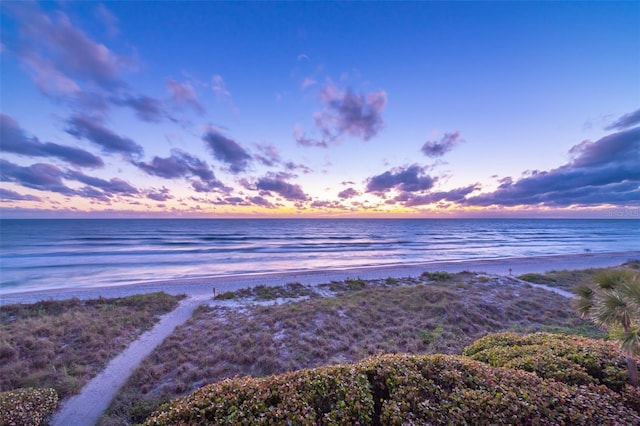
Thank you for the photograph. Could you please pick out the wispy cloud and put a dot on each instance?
(56, 52)
(9, 195)
(219, 86)
(626, 121)
(183, 94)
(346, 114)
(108, 19)
(83, 127)
(437, 148)
(146, 108)
(112, 186)
(227, 150)
(13, 139)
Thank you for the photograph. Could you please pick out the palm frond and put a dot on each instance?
(612, 308)
(630, 342)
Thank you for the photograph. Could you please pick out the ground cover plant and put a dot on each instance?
(395, 390)
(62, 344)
(27, 406)
(428, 314)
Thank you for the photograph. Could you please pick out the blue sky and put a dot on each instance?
(399, 109)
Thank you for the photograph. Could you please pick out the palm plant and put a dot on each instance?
(614, 303)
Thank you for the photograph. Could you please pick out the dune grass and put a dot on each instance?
(429, 314)
(62, 344)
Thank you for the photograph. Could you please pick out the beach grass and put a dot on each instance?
(62, 344)
(433, 313)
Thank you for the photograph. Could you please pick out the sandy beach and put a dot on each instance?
(202, 287)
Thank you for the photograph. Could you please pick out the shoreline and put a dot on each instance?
(203, 287)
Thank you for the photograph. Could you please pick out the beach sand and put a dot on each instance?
(202, 287)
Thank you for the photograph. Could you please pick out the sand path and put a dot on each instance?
(86, 408)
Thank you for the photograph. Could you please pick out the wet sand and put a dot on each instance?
(204, 286)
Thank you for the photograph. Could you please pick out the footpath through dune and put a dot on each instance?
(86, 408)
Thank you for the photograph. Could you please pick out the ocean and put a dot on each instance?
(55, 254)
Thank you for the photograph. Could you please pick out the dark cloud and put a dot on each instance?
(8, 195)
(601, 172)
(83, 127)
(261, 201)
(609, 149)
(346, 113)
(13, 139)
(227, 150)
(440, 147)
(180, 164)
(40, 176)
(183, 94)
(159, 195)
(281, 187)
(113, 186)
(348, 193)
(409, 179)
(626, 121)
(183, 165)
(455, 195)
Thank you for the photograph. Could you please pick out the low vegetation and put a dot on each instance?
(62, 344)
(570, 280)
(363, 318)
(27, 407)
(401, 389)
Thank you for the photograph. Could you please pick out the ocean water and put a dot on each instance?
(50, 254)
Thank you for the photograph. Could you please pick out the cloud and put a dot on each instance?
(408, 179)
(159, 195)
(600, 172)
(227, 150)
(109, 20)
(440, 147)
(183, 94)
(40, 176)
(113, 186)
(218, 86)
(55, 51)
(308, 81)
(9, 195)
(146, 108)
(346, 113)
(13, 139)
(183, 165)
(268, 156)
(281, 187)
(348, 193)
(626, 121)
(455, 195)
(83, 127)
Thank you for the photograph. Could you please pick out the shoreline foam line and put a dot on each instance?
(200, 287)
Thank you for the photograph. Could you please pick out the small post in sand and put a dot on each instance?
(509, 275)
(214, 292)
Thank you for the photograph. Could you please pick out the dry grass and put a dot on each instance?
(62, 344)
(430, 314)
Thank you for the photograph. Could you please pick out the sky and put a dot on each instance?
(323, 109)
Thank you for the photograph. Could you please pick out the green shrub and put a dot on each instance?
(27, 406)
(437, 276)
(227, 295)
(570, 359)
(395, 390)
